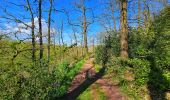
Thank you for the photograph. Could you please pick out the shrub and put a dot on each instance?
(141, 70)
(36, 82)
(99, 54)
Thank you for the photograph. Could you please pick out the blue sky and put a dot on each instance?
(97, 6)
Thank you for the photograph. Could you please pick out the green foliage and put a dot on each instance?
(139, 41)
(99, 54)
(97, 67)
(141, 70)
(149, 56)
(88, 94)
(160, 46)
(109, 47)
(35, 82)
(123, 68)
(131, 75)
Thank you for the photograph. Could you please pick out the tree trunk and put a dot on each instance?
(113, 12)
(139, 16)
(62, 40)
(75, 37)
(165, 2)
(147, 14)
(49, 31)
(85, 29)
(40, 28)
(82, 48)
(123, 30)
(33, 40)
(32, 31)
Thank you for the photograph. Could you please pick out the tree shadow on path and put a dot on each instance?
(82, 87)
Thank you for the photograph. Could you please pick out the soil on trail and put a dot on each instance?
(88, 77)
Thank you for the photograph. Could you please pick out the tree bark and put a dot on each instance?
(85, 29)
(32, 31)
(75, 37)
(111, 3)
(123, 30)
(49, 31)
(40, 28)
(62, 26)
(139, 14)
(147, 14)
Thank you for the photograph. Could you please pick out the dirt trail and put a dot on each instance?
(88, 73)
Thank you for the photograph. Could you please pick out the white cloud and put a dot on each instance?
(23, 32)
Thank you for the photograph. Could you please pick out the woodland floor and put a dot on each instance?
(86, 78)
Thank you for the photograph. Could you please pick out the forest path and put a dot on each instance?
(86, 78)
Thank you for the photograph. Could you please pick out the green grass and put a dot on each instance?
(86, 95)
(76, 68)
(89, 95)
(131, 92)
(97, 67)
(100, 93)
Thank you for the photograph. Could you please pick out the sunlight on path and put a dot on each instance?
(101, 89)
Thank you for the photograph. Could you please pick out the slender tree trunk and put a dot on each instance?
(114, 21)
(75, 37)
(40, 28)
(139, 14)
(113, 16)
(147, 14)
(85, 29)
(49, 31)
(55, 55)
(32, 31)
(165, 2)
(62, 26)
(33, 40)
(82, 48)
(123, 30)
(93, 42)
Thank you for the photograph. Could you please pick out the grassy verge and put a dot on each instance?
(65, 74)
(76, 68)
